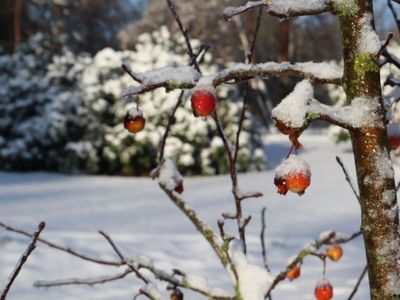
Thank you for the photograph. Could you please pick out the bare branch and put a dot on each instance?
(348, 178)
(262, 238)
(385, 44)
(122, 257)
(189, 47)
(22, 261)
(77, 281)
(64, 249)
(355, 289)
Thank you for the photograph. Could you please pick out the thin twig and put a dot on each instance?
(262, 238)
(355, 289)
(61, 248)
(86, 281)
(385, 44)
(129, 71)
(122, 257)
(22, 260)
(189, 47)
(348, 178)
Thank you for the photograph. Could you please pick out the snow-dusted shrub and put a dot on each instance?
(65, 113)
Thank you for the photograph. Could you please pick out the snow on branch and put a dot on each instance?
(283, 8)
(299, 108)
(186, 77)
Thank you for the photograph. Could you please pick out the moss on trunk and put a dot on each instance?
(380, 223)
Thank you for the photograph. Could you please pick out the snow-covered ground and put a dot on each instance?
(142, 220)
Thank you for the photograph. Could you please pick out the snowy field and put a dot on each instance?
(142, 220)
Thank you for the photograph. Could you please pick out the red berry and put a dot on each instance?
(293, 273)
(134, 120)
(293, 174)
(298, 182)
(203, 103)
(335, 253)
(323, 290)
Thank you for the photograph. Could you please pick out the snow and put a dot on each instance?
(286, 7)
(293, 108)
(369, 41)
(141, 220)
(254, 281)
(205, 83)
(197, 282)
(135, 112)
(292, 165)
(180, 74)
(169, 175)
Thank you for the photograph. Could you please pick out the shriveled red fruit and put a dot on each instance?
(293, 273)
(134, 121)
(203, 103)
(293, 174)
(323, 290)
(176, 295)
(179, 187)
(335, 253)
(297, 182)
(281, 185)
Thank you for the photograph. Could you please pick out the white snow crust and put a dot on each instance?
(369, 41)
(169, 175)
(254, 281)
(292, 165)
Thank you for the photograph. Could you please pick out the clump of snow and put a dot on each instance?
(291, 260)
(388, 196)
(323, 70)
(197, 282)
(292, 109)
(292, 165)
(254, 281)
(286, 7)
(384, 165)
(153, 291)
(369, 41)
(135, 112)
(218, 292)
(180, 74)
(144, 261)
(205, 83)
(169, 175)
(324, 235)
(362, 112)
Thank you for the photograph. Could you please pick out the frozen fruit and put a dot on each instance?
(203, 103)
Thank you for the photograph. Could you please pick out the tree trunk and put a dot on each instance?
(380, 221)
(17, 23)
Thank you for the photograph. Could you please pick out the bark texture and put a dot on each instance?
(380, 222)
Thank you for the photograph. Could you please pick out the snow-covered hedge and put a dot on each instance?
(65, 113)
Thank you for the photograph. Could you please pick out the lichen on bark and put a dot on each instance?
(380, 222)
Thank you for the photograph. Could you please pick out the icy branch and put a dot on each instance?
(283, 8)
(85, 281)
(186, 77)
